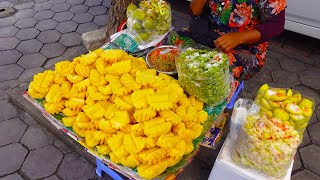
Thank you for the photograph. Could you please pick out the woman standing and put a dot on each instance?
(240, 28)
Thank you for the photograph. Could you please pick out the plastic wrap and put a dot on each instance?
(153, 17)
(291, 107)
(205, 74)
(266, 145)
(242, 109)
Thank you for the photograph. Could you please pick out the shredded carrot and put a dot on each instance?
(164, 62)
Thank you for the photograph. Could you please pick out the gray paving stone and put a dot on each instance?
(297, 162)
(75, 51)
(8, 31)
(27, 75)
(306, 91)
(77, 9)
(42, 162)
(29, 46)
(45, 14)
(306, 139)
(54, 177)
(310, 78)
(5, 86)
(197, 170)
(75, 2)
(310, 157)
(50, 62)
(40, 1)
(53, 50)
(42, 6)
(63, 16)
(70, 39)
(12, 157)
(9, 72)
(47, 24)
(86, 27)
(292, 65)
(11, 131)
(8, 110)
(317, 112)
(252, 87)
(82, 18)
(67, 26)
(305, 175)
(29, 61)
(29, 33)
(74, 166)
(314, 131)
(93, 2)
(14, 176)
(62, 146)
(24, 6)
(25, 13)
(208, 155)
(97, 10)
(100, 20)
(9, 56)
(36, 137)
(57, 1)
(49, 36)
(5, 4)
(60, 7)
(313, 119)
(107, 3)
(26, 23)
(26, 118)
(8, 21)
(8, 43)
(286, 78)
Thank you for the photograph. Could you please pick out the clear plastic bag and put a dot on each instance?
(205, 74)
(151, 18)
(291, 107)
(264, 144)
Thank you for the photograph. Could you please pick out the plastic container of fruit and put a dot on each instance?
(163, 59)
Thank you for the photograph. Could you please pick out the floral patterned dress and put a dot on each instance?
(237, 15)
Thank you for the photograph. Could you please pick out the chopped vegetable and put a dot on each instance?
(205, 75)
(267, 145)
(164, 58)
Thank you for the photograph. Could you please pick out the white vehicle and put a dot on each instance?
(303, 17)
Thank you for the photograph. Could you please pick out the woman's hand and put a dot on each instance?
(231, 40)
(228, 41)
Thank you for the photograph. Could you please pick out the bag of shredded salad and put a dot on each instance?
(205, 74)
(267, 145)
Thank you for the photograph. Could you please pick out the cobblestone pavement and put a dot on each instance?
(43, 32)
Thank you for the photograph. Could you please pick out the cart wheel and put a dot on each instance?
(122, 26)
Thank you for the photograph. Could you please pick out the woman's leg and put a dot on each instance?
(244, 64)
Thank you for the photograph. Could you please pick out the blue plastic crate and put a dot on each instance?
(101, 167)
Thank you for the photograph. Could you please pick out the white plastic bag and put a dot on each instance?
(242, 109)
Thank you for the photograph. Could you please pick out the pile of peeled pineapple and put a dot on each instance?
(123, 109)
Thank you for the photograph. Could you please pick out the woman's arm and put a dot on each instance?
(262, 33)
(196, 7)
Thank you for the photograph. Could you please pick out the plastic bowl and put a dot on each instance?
(165, 48)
